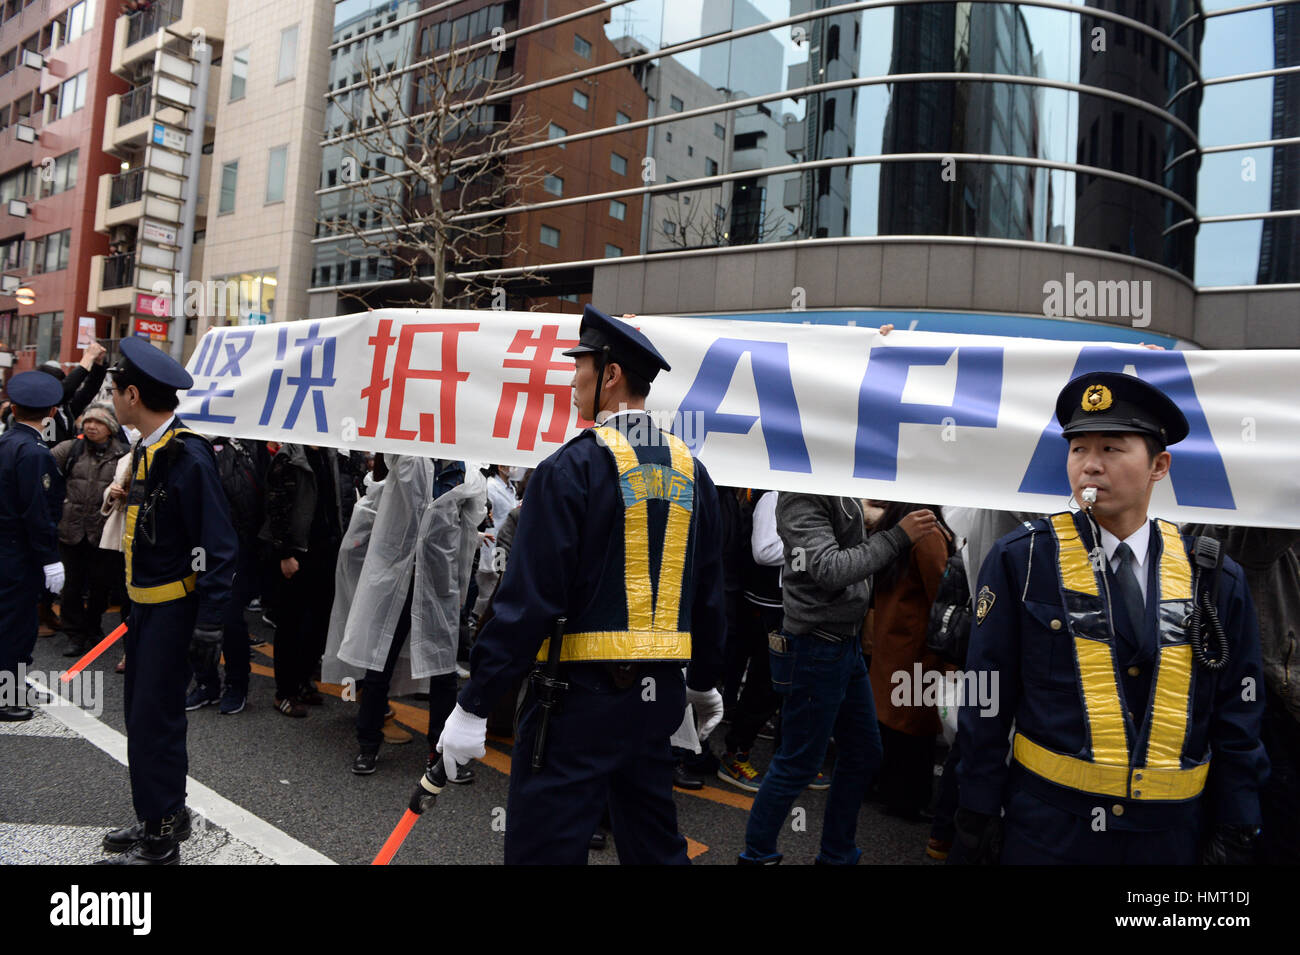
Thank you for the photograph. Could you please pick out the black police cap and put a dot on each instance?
(627, 346)
(154, 364)
(1110, 401)
(35, 389)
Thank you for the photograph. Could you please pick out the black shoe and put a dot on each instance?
(464, 774)
(15, 714)
(364, 764)
(120, 840)
(151, 850)
(598, 840)
(78, 648)
(685, 779)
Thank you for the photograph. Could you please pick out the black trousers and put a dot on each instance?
(1279, 800)
(89, 574)
(157, 674)
(302, 617)
(758, 701)
(374, 691)
(906, 771)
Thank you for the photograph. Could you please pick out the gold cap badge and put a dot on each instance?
(1097, 398)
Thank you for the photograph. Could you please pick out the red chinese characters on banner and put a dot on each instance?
(545, 344)
(448, 375)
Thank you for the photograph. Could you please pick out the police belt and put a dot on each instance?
(1120, 813)
(163, 593)
(623, 675)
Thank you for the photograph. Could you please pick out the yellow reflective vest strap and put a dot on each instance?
(157, 593)
(1112, 770)
(653, 614)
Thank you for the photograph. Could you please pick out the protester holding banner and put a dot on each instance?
(1130, 671)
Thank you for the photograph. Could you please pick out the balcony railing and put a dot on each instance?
(149, 21)
(119, 271)
(127, 187)
(134, 104)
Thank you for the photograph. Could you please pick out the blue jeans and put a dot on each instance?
(826, 691)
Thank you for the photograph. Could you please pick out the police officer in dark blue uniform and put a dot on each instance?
(180, 549)
(31, 502)
(621, 537)
(1130, 666)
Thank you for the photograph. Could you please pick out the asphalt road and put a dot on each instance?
(59, 791)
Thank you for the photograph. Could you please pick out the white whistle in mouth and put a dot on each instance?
(1089, 496)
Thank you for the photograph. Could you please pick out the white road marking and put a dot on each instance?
(239, 822)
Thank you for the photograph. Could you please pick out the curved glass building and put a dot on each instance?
(946, 160)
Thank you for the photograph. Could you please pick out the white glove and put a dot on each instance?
(464, 737)
(708, 709)
(54, 577)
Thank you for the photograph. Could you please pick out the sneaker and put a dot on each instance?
(461, 672)
(201, 696)
(364, 764)
(737, 770)
(464, 774)
(233, 699)
(254, 605)
(268, 621)
(821, 783)
(938, 849)
(769, 730)
(291, 707)
(310, 696)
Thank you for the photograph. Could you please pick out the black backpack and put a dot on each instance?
(238, 475)
(948, 632)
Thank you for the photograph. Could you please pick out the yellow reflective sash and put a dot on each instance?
(652, 613)
(1114, 769)
(158, 593)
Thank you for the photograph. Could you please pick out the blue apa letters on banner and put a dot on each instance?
(881, 409)
(778, 411)
(1198, 475)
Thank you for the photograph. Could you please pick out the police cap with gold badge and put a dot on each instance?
(152, 363)
(626, 345)
(34, 389)
(1110, 401)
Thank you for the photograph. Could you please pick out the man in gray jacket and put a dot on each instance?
(818, 669)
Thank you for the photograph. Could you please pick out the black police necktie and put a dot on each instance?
(1130, 594)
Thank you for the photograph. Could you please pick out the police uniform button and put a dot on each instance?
(1133, 671)
(1137, 777)
(1056, 625)
(1137, 794)
(1117, 810)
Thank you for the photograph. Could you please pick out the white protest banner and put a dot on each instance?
(933, 418)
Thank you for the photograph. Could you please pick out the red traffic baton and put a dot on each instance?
(432, 783)
(95, 651)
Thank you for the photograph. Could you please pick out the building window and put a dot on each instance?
(580, 99)
(618, 164)
(621, 118)
(238, 74)
(550, 236)
(676, 104)
(581, 47)
(276, 162)
(59, 177)
(670, 227)
(79, 19)
(618, 210)
(612, 251)
(247, 298)
(668, 136)
(710, 167)
(288, 54)
(51, 253)
(690, 150)
(72, 95)
(229, 175)
(719, 130)
(16, 184)
(554, 185)
(556, 132)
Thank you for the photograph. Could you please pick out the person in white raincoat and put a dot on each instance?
(413, 580)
